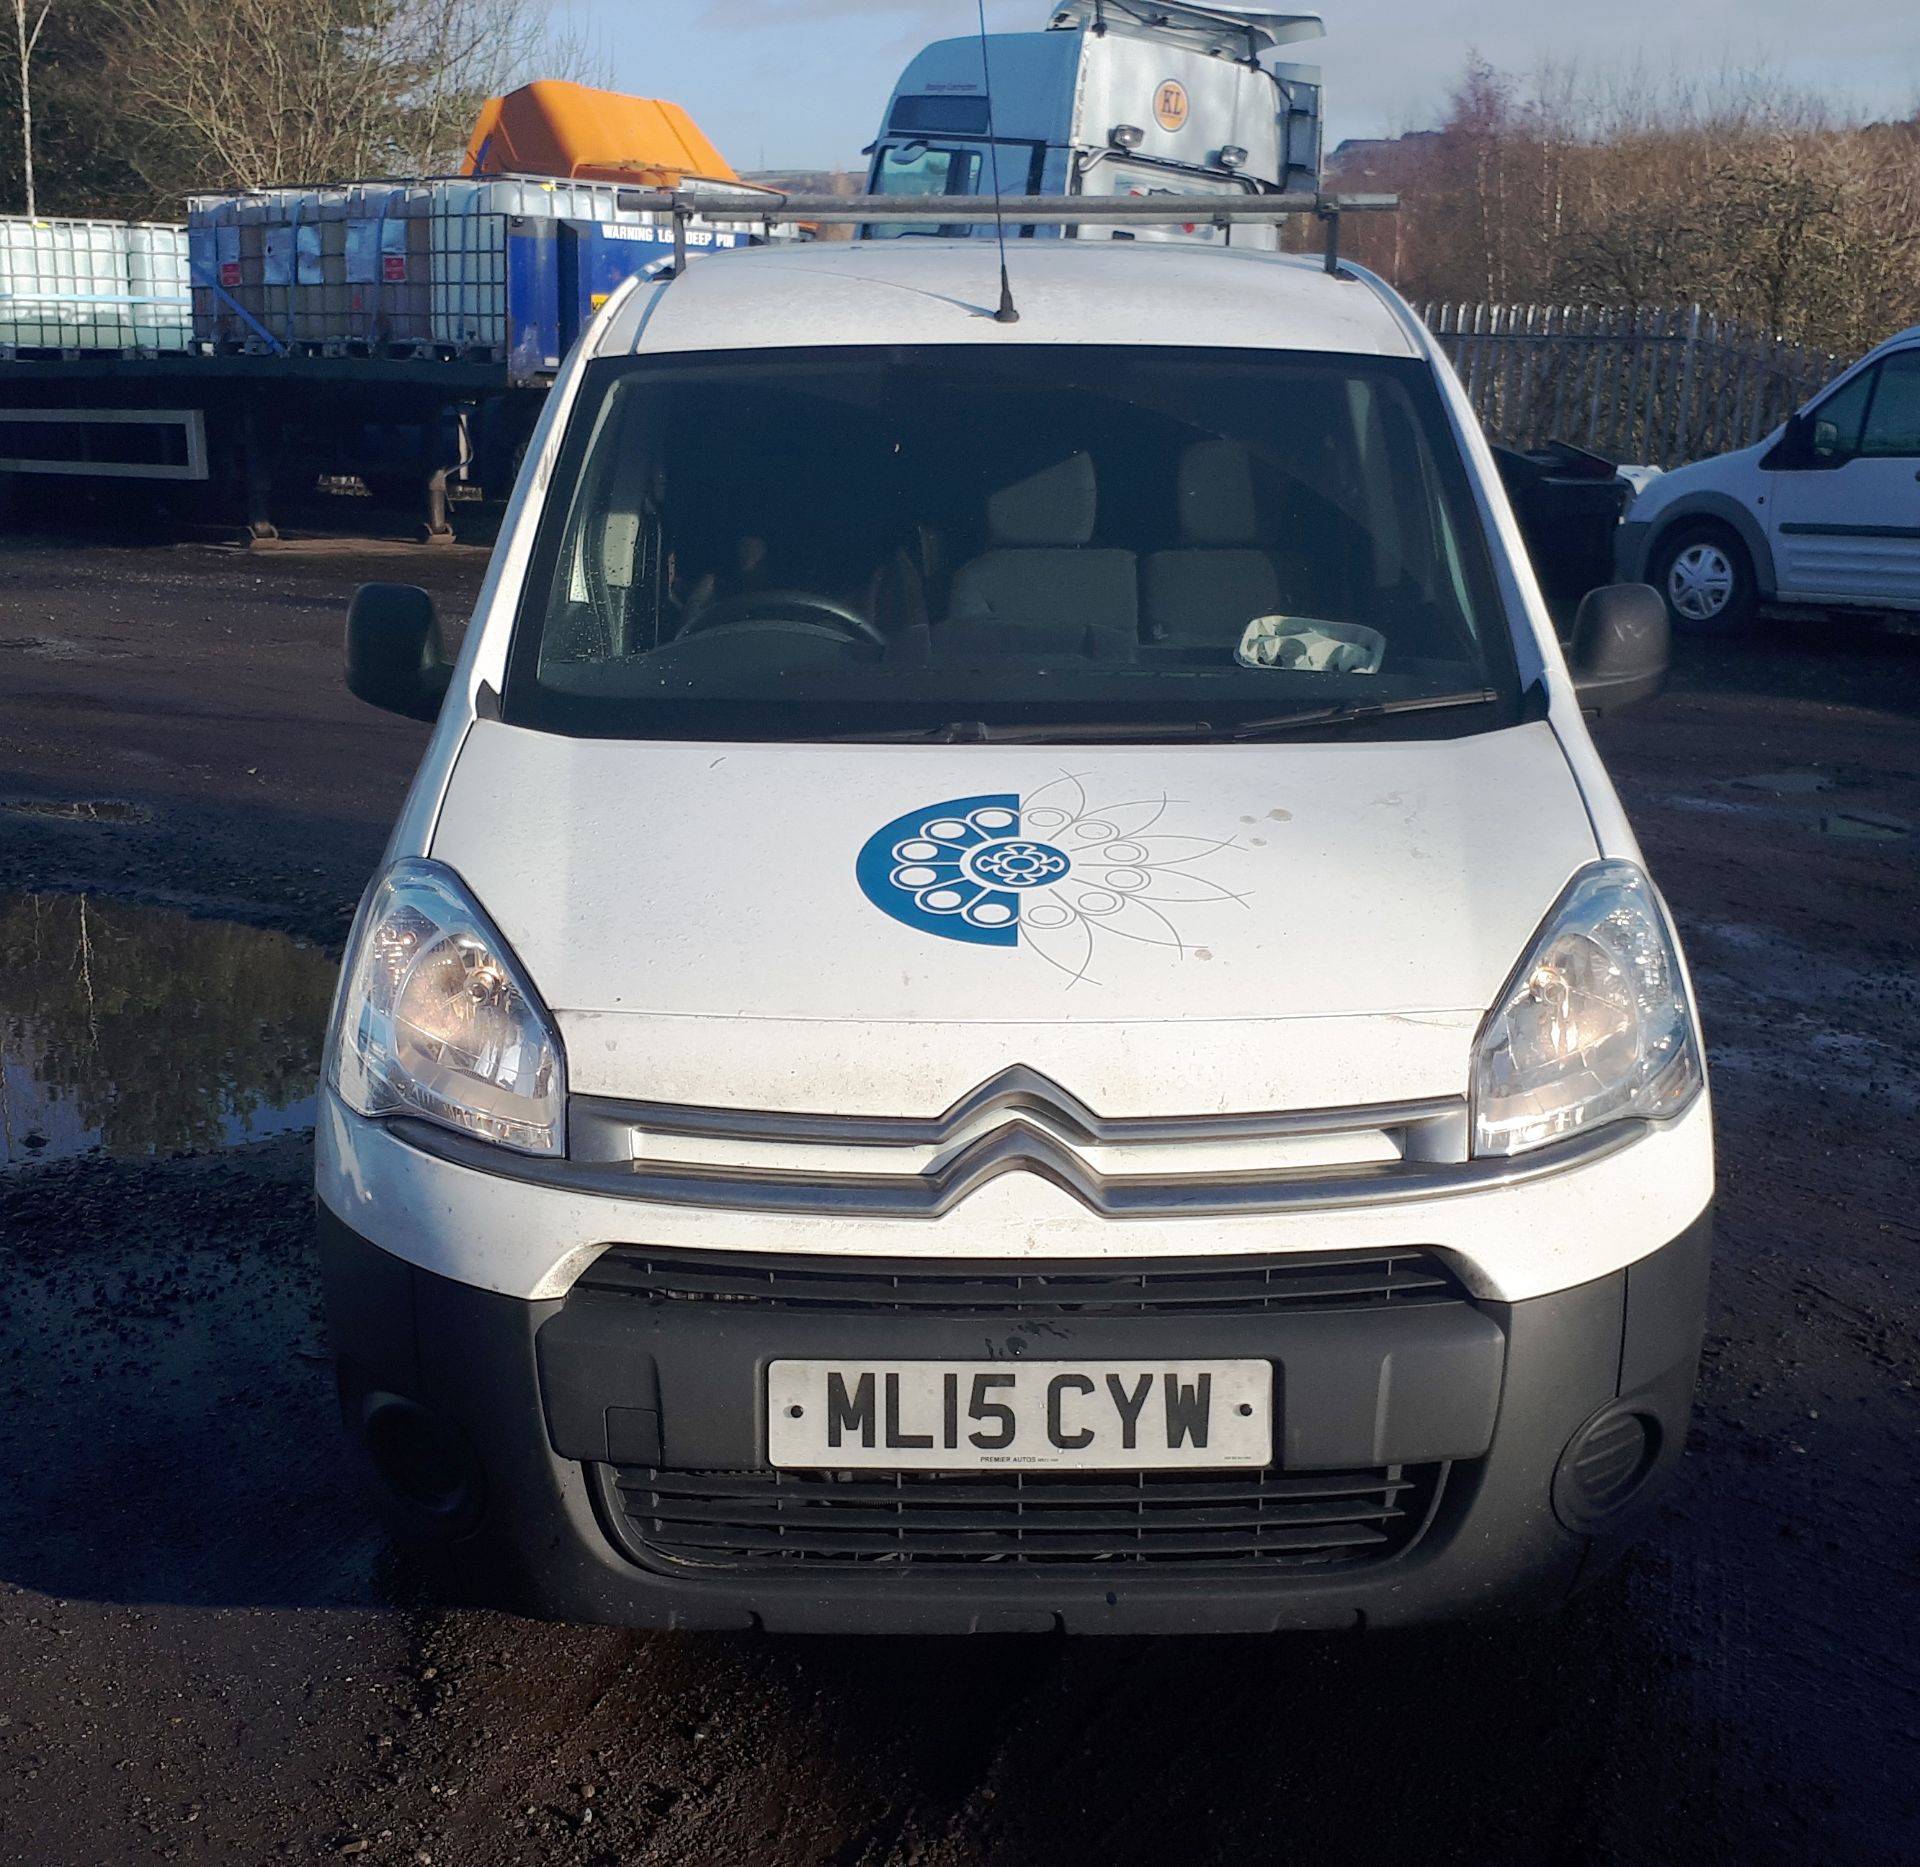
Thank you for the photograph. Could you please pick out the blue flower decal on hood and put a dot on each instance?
(958, 869)
(1049, 872)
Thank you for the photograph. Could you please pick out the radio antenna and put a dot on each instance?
(1006, 314)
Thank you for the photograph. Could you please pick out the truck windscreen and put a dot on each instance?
(815, 542)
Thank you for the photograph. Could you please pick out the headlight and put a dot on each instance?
(1593, 1026)
(437, 1019)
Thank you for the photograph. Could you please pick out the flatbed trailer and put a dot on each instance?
(389, 340)
(239, 441)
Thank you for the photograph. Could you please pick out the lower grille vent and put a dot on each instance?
(1348, 1281)
(1293, 1520)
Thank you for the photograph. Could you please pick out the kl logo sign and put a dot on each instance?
(1170, 105)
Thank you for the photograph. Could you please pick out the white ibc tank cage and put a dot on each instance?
(93, 285)
(383, 265)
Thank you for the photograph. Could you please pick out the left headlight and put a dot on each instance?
(436, 1019)
(1593, 1026)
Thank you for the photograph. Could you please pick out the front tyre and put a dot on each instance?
(1706, 576)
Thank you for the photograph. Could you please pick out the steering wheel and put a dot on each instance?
(771, 608)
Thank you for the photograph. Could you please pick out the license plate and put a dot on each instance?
(944, 1416)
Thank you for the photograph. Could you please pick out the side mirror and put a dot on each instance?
(395, 658)
(1621, 643)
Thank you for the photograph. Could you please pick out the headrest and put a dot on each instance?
(1215, 495)
(1055, 506)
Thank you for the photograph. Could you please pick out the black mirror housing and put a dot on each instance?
(1622, 641)
(395, 657)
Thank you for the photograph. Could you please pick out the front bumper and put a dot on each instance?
(497, 1431)
(1632, 544)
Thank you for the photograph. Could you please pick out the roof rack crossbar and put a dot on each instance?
(1026, 210)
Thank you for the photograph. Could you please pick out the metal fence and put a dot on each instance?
(1650, 387)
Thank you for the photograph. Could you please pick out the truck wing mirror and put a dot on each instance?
(395, 658)
(1621, 643)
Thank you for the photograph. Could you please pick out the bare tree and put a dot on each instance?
(466, 51)
(262, 93)
(26, 39)
(1735, 192)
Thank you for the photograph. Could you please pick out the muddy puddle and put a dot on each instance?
(135, 1032)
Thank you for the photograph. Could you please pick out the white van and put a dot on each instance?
(1825, 511)
(1011, 996)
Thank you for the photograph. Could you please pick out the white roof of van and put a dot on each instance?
(926, 291)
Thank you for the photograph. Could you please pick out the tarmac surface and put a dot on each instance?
(208, 1654)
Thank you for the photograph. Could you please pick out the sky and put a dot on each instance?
(801, 83)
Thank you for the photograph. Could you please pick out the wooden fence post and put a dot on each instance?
(1683, 409)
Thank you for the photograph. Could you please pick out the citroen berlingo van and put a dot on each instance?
(1011, 996)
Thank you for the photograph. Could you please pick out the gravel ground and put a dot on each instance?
(208, 1655)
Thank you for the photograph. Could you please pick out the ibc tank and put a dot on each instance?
(418, 268)
(92, 285)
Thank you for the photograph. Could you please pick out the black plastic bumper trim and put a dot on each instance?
(540, 1547)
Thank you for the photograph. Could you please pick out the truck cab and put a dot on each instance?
(1110, 99)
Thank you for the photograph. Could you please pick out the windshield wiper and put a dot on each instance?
(1355, 713)
(1084, 732)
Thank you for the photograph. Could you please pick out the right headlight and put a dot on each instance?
(436, 1019)
(1594, 1025)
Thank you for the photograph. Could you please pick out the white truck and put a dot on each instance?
(1114, 97)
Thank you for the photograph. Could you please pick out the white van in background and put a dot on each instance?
(1825, 511)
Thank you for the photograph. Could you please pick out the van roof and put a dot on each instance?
(922, 291)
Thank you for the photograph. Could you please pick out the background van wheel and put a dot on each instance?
(1707, 578)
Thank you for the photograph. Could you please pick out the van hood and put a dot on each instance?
(882, 927)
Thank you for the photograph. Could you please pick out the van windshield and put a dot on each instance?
(967, 540)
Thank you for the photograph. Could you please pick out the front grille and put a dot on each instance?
(1275, 1520)
(847, 1285)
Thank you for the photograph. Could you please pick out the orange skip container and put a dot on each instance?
(552, 127)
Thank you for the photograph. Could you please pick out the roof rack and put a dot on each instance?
(1026, 210)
